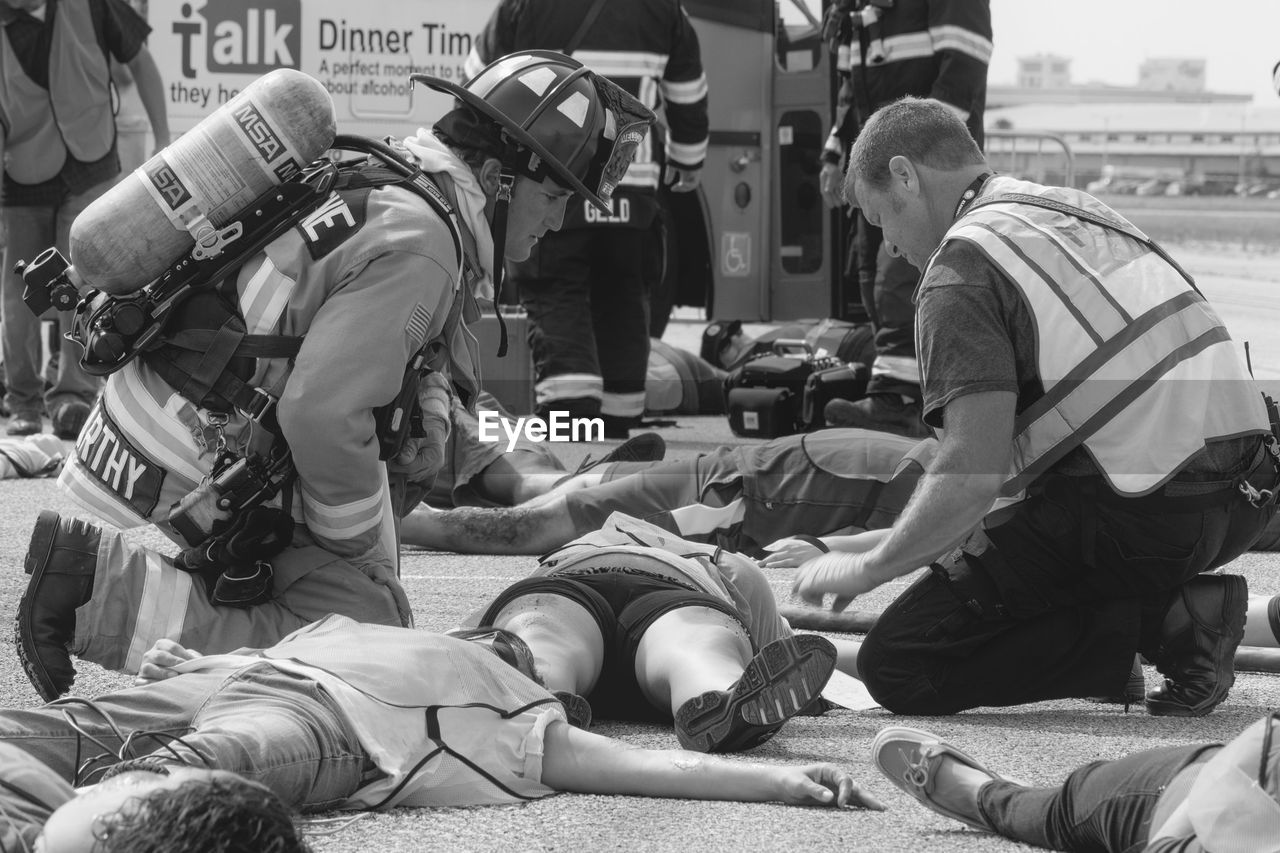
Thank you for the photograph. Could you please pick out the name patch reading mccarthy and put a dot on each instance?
(114, 462)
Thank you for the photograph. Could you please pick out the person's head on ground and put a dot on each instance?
(907, 171)
(538, 127)
(172, 810)
(724, 343)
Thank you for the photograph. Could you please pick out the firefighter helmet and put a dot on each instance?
(561, 118)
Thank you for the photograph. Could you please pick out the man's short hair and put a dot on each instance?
(472, 137)
(219, 815)
(925, 131)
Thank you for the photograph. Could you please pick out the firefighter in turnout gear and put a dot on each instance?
(369, 280)
(587, 287)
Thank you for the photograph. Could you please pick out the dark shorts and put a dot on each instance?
(624, 605)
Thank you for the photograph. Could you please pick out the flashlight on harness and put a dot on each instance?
(47, 282)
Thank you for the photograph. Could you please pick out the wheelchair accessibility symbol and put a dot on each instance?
(735, 254)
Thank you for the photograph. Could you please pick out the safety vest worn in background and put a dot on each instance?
(1135, 365)
(73, 115)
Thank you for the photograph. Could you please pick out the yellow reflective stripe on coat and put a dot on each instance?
(1134, 363)
(137, 455)
(341, 522)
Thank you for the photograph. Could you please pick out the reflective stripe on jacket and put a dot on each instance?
(1135, 364)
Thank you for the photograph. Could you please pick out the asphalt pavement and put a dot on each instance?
(1037, 743)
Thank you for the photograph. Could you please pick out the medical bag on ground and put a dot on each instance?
(845, 381)
(776, 395)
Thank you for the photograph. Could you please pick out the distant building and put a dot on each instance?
(1168, 127)
(1172, 75)
(1046, 79)
(1194, 144)
(1044, 71)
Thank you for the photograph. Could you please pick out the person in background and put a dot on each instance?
(586, 287)
(58, 141)
(886, 49)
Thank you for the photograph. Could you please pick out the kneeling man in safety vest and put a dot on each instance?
(382, 277)
(1065, 358)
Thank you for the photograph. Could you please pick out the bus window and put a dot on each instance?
(798, 34)
(800, 137)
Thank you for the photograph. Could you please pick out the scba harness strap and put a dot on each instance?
(209, 358)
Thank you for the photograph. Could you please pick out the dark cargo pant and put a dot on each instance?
(1051, 599)
(887, 286)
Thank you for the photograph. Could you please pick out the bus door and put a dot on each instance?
(736, 38)
(803, 257)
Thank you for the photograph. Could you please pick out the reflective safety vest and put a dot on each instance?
(74, 114)
(1135, 365)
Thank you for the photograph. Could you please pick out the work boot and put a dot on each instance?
(777, 684)
(617, 426)
(69, 418)
(61, 559)
(1198, 641)
(24, 423)
(880, 412)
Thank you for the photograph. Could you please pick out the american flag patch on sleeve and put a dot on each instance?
(419, 320)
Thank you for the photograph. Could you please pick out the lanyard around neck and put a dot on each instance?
(971, 192)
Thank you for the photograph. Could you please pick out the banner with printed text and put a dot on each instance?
(208, 51)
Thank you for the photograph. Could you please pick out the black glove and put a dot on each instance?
(233, 563)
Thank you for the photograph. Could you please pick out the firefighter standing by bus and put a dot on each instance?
(586, 287)
(886, 49)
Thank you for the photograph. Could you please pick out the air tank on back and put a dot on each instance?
(186, 193)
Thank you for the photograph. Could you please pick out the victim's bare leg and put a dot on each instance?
(847, 655)
(689, 651)
(563, 636)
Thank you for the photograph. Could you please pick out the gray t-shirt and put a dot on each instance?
(977, 334)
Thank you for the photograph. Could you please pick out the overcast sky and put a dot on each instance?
(1107, 39)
